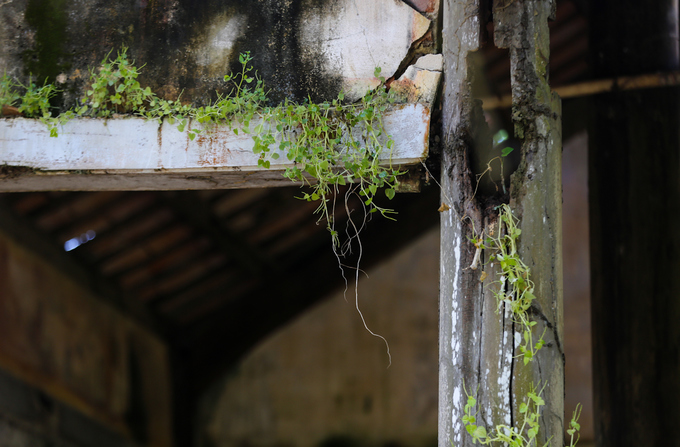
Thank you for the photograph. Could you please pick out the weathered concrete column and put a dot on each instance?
(477, 343)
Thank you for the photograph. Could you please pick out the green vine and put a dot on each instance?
(525, 434)
(335, 144)
(114, 89)
(329, 144)
(9, 97)
(516, 289)
(34, 103)
(515, 292)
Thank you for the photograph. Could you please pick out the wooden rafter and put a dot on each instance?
(23, 232)
(653, 80)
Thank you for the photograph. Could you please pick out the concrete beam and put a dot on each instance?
(139, 154)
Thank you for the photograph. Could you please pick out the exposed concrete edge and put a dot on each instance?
(138, 154)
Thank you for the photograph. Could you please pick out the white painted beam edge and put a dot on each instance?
(138, 146)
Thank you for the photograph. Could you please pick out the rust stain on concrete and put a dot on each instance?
(213, 148)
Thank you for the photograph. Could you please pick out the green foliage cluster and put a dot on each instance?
(114, 88)
(333, 143)
(516, 292)
(34, 102)
(523, 436)
(329, 144)
(8, 92)
(516, 289)
(244, 104)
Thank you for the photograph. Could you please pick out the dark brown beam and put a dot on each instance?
(634, 188)
(23, 232)
(199, 215)
(157, 247)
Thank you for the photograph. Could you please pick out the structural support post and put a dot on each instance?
(634, 171)
(478, 341)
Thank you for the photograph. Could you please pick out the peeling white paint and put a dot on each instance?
(457, 398)
(531, 170)
(505, 363)
(432, 62)
(138, 144)
(357, 36)
(455, 337)
(542, 126)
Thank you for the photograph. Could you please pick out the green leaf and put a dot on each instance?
(500, 137)
(389, 193)
(536, 398)
(506, 151)
(480, 432)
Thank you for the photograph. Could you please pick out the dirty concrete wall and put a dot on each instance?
(301, 48)
(324, 380)
(62, 342)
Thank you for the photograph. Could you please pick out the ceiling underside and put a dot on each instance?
(213, 272)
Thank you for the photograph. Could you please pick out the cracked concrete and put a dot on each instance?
(355, 37)
(420, 81)
(300, 48)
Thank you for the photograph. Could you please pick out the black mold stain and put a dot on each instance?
(47, 57)
(272, 36)
(162, 36)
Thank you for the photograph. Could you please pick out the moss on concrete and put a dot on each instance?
(47, 58)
